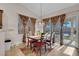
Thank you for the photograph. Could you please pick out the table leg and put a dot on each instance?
(28, 43)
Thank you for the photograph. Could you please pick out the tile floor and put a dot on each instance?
(56, 51)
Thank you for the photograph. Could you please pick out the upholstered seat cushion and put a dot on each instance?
(32, 41)
(48, 40)
(39, 43)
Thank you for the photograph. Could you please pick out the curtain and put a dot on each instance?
(33, 20)
(45, 21)
(24, 20)
(58, 25)
(54, 21)
(48, 26)
(62, 17)
(22, 23)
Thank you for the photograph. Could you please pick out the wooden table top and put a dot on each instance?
(34, 37)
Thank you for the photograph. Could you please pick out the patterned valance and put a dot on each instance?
(24, 18)
(46, 20)
(54, 19)
(33, 20)
(1, 11)
(62, 18)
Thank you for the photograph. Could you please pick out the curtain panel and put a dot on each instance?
(33, 20)
(54, 19)
(46, 20)
(24, 20)
(62, 19)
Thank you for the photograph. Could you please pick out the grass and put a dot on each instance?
(67, 37)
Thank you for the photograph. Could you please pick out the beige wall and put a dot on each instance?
(10, 21)
(2, 46)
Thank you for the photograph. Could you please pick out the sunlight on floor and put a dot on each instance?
(69, 51)
(60, 48)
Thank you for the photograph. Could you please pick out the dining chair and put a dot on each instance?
(41, 43)
(31, 43)
(53, 37)
(39, 46)
(50, 38)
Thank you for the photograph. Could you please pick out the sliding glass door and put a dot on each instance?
(70, 31)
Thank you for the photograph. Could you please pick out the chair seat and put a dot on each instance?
(48, 40)
(39, 43)
(32, 41)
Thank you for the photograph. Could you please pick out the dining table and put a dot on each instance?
(33, 38)
(38, 38)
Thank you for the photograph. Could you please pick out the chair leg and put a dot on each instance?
(30, 46)
(40, 50)
(45, 48)
(50, 44)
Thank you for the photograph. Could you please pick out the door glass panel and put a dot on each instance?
(48, 27)
(67, 31)
(70, 31)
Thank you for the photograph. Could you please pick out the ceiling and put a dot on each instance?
(43, 9)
